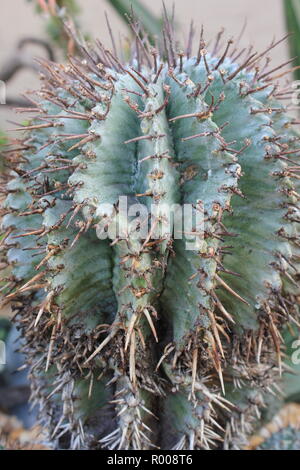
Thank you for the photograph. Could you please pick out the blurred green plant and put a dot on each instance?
(54, 23)
(4, 328)
(125, 8)
(3, 139)
(292, 18)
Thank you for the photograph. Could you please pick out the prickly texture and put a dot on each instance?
(138, 342)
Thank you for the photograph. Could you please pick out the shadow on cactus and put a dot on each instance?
(137, 342)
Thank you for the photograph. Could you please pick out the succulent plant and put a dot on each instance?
(138, 342)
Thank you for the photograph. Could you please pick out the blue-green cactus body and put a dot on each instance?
(178, 327)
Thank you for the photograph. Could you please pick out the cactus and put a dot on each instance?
(138, 342)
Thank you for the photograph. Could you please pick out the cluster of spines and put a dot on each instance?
(84, 95)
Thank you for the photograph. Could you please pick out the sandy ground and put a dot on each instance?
(264, 18)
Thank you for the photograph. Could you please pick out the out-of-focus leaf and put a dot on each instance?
(4, 328)
(2, 138)
(54, 11)
(151, 23)
(49, 6)
(292, 17)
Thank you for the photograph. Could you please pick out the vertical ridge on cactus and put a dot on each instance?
(137, 342)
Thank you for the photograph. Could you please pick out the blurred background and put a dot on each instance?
(29, 29)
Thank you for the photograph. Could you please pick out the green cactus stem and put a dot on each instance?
(139, 342)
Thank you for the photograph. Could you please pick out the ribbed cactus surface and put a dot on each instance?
(138, 342)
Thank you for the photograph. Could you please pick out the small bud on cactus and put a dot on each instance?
(139, 342)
